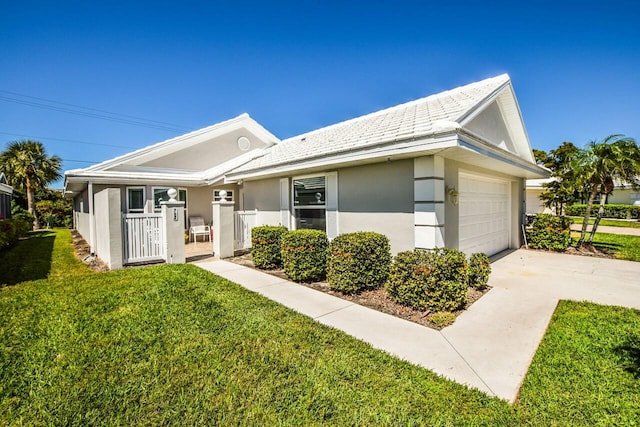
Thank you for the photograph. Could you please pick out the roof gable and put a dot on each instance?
(167, 154)
(3, 179)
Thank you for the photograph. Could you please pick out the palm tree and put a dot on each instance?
(599, 165)
(27, 166)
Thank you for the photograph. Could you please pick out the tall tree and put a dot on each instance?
(27, 166)
(562, 189)
(599, 165)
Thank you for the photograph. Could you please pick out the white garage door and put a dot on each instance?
(484, 207)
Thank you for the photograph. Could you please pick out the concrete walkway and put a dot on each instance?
(491, 345)
(609, 229)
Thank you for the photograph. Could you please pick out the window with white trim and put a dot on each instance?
(216, 195)
(135, 199)
(160, 194)
(309, 202)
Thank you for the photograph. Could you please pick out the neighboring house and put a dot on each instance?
(445, 170)
(6, 192)
(534, 189)
(622, 194)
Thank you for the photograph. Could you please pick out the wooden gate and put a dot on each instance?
(144, 238)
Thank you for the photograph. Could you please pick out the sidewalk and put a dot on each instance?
(491, 345)
(608, 229)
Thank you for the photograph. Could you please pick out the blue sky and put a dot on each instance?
(295, 66)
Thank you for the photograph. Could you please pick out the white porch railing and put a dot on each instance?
(143, 237)
(244, 223)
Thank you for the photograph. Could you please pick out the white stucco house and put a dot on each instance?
(445, 170)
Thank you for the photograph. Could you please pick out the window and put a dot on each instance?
(135, 199)
(216, 195)
(309, 203)
(160, 195)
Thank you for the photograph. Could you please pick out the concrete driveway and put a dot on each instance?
(500, 333)
(491, 345)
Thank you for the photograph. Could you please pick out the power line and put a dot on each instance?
(75, 141)
(33, 101)
(78, 161)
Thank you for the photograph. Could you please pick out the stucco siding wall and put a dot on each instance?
(534, 204)
(263, 195)
(378, 197)
(82, 224)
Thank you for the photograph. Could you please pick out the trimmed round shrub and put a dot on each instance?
(358, 261)
(265, 246)
(304, 255)
(434, 280)
(479, 270)
(549, 232)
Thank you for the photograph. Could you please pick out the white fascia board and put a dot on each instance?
(474, 111)
(392, 149)
(112, 177)
(6, 189)
(189, 139)
(471, 142)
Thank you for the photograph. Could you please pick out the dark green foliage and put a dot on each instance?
(549, 232)
(12, 229)
(265, 246)
(304, 255)
(610, 211)
(358, 261)
(479, 270)
(434, 280)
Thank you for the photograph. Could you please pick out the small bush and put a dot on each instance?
(358, 261)
(265, 246)
(479, 270)
(442, 319)
(304, 255)
(12, 229)
(435, 280)
(549, 232)
(610, 211)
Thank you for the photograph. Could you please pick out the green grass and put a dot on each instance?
(587, 369)
(609, 222)
(176, 345)
(621, 245)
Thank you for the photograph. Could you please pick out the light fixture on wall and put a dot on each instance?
(453, 195)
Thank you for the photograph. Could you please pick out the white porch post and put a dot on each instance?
(223, 227)
(173, 225)
(428, 185)
(92, 219)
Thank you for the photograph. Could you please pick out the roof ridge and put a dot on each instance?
(399, 107)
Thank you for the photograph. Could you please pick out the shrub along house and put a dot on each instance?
(445, 170)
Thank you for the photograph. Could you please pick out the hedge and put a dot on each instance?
(610, 211)
(12, 229)
(435, 280)
(304, 255)
(479, 270)
(265, 246)
(358, 261)
(549, 232)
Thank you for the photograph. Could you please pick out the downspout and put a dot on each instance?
(92, 219)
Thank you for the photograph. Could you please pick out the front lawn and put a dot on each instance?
(174, 344)
(622, 246)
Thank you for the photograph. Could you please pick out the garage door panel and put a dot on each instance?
(484, 214)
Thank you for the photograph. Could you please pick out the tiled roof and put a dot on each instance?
(410, 120)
